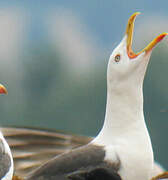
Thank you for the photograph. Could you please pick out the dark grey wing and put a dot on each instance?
(88, 159)
(33, 147)
(5, 161)
(95, 174)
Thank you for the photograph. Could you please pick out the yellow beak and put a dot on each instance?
(129, 33)
(3, 90)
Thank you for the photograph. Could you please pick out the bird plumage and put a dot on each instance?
(117, 150)
(6, 160)
(124, 131)
(29, 155)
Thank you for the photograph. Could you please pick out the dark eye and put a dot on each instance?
(117, 58)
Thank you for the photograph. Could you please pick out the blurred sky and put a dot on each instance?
(105, 21)
(53, 59)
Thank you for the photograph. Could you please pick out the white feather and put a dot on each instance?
(124, 133)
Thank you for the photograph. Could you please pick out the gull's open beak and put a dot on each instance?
(129, 33)
(3, 90)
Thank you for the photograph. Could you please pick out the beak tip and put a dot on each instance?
(3, 90)
(161, 36)
(155, 42)
(135, 14)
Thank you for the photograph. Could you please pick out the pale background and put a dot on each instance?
(53, 59)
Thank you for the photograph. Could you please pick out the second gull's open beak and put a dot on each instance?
(129, 33)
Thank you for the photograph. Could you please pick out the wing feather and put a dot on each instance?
(33, 147)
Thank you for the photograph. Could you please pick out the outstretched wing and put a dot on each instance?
(33, 147)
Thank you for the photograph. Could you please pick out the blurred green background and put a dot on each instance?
(53, 60)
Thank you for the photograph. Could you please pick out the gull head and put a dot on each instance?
(127, 68)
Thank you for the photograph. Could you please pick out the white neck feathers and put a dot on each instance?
(124, 115)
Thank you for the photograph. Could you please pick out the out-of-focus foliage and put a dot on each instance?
(156, 101)
(51, 97)
(48, 95)
(53, 61)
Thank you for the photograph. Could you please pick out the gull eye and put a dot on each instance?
(117, 58)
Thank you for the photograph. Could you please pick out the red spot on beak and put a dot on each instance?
(3, 90)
